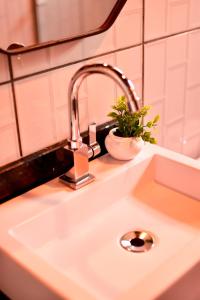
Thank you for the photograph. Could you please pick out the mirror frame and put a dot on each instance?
(105, 26)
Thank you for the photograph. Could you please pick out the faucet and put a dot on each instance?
(79, 175)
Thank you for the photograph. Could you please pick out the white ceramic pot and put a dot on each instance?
(121, 147)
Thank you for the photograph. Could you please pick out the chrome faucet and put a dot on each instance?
(78, 175)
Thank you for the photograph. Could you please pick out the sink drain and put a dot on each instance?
(137, 241)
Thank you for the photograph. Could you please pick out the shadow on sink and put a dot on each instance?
(187, 287)
(172, 189)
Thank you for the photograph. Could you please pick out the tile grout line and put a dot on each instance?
(75, 62)
(172, 34)
(15, 106)
(6, 82)
(143, 43)
(164, 103)
(183, 129)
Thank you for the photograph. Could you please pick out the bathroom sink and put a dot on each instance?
(61, 244)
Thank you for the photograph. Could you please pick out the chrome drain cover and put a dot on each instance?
(137, 241)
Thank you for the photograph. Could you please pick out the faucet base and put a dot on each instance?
(75, 185)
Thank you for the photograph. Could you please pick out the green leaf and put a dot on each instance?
(144, 110)
(149, 124)
(152, 140)
(156, 119)
(113, 115)
(130, 124)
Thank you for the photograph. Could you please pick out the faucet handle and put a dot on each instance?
(93, 145)
(92, 134)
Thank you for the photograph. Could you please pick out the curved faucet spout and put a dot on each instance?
(105, 69)
(78, 175)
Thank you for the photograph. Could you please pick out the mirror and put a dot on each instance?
(30, 24)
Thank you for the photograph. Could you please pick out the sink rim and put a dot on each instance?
(27, 206)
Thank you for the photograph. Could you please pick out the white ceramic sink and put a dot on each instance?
(61, 244)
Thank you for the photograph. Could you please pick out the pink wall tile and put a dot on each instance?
(130, 61)
(177, 50)
(155, 23)
(154, 75)
(194, 20)
(65, 53)
(4, 70)
(62, 122)
(173, 136)
(99, 44)
(191, 147)
(172, 75)
(165, 17)
(6, 103)
(193, 58)
(35, 112)
(192, 111)
(30, 62)
(128, 26)
(9, 150)
(177, 16)
(175, 93)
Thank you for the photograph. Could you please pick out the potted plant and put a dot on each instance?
(128, 138)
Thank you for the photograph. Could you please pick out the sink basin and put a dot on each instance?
(66, 244)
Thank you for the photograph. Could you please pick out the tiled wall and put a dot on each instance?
(155, 42)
